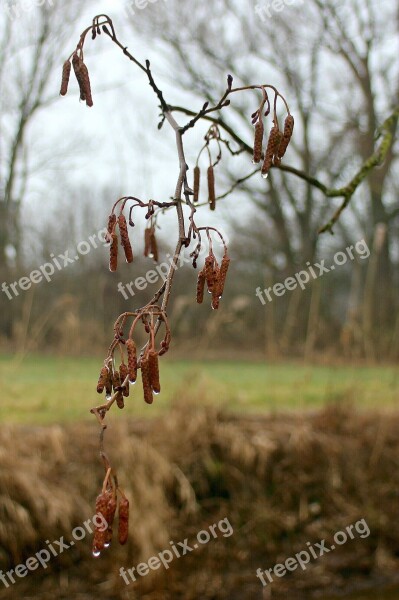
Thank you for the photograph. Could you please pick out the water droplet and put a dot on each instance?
(108, 397)
(151, 255)
(96, 553)
(156, 393)
(213, 308)
(107, 544)
(132, 382)
(209, 291)
(265, 175)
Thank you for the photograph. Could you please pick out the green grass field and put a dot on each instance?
(45, 389)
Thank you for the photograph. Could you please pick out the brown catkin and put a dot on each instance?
(125, 239)
(66, 73)
(124, 372)
(147, 241)
(131, 360)
(102, 380)
(145, 377)
(116, 381)
(197, 177)
(111, 509)
(153, 366)
(111, 223)
(113, 253)
(272, 146)
(211, 188)
(209, 271)
(83, 79)
(123, 529)
(224, 267)
(288, 131)
(258, 142)
(154, 245)
(101, 509)
(201, 286)
(108, 383)
(119, 400)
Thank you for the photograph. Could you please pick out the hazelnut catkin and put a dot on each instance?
(131, 360)
(125, 238)
(113, 253)
(145, 377)
(211, 188)
(258, 142)
(111, 509)
(209, 272)
(101, 509)
(83, 79)
(119, 400)
(111, 223)
(196, 187)
(288, 131)
(147, 241)
(224, 267)
(116, 381)
(102, 380)
(153, 366)
(154, 245)
(124, 372)
(272, 146)
(66, 72)
(123, 529)
(201, 286)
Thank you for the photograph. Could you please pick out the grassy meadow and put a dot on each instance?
(43, 389)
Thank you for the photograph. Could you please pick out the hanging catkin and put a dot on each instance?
(66, 72)
(125, 238)
(197, 177)
(258, 141)
(211, 188)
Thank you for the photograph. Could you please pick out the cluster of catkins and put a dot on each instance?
(214, 276)
(277, 143)
(106, 505)
(150, 242)
(211, 186)
(82, 77)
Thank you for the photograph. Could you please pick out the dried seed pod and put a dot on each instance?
(125, 238)
(124, 373)
(123, 530)
(66, 73)
(147, 241)
(288, 131)
(201, 286)
(196, 187)
(119, 400)
(154, 245)
(101, 509)
(145, 376)
(224, 267)
(211, 188)
(132, 359)
(83, 79)
(113, 253)
(153, 366)
(258, 142)
(102, 380)
(272, 146)
(209, 271)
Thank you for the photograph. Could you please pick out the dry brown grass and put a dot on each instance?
(281, 481)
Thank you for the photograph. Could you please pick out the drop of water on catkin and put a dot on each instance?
(107, 545)
(156, 393)
(265, 175)
(96, 554)
(108, 397)
(151, 255)
(132, 382)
